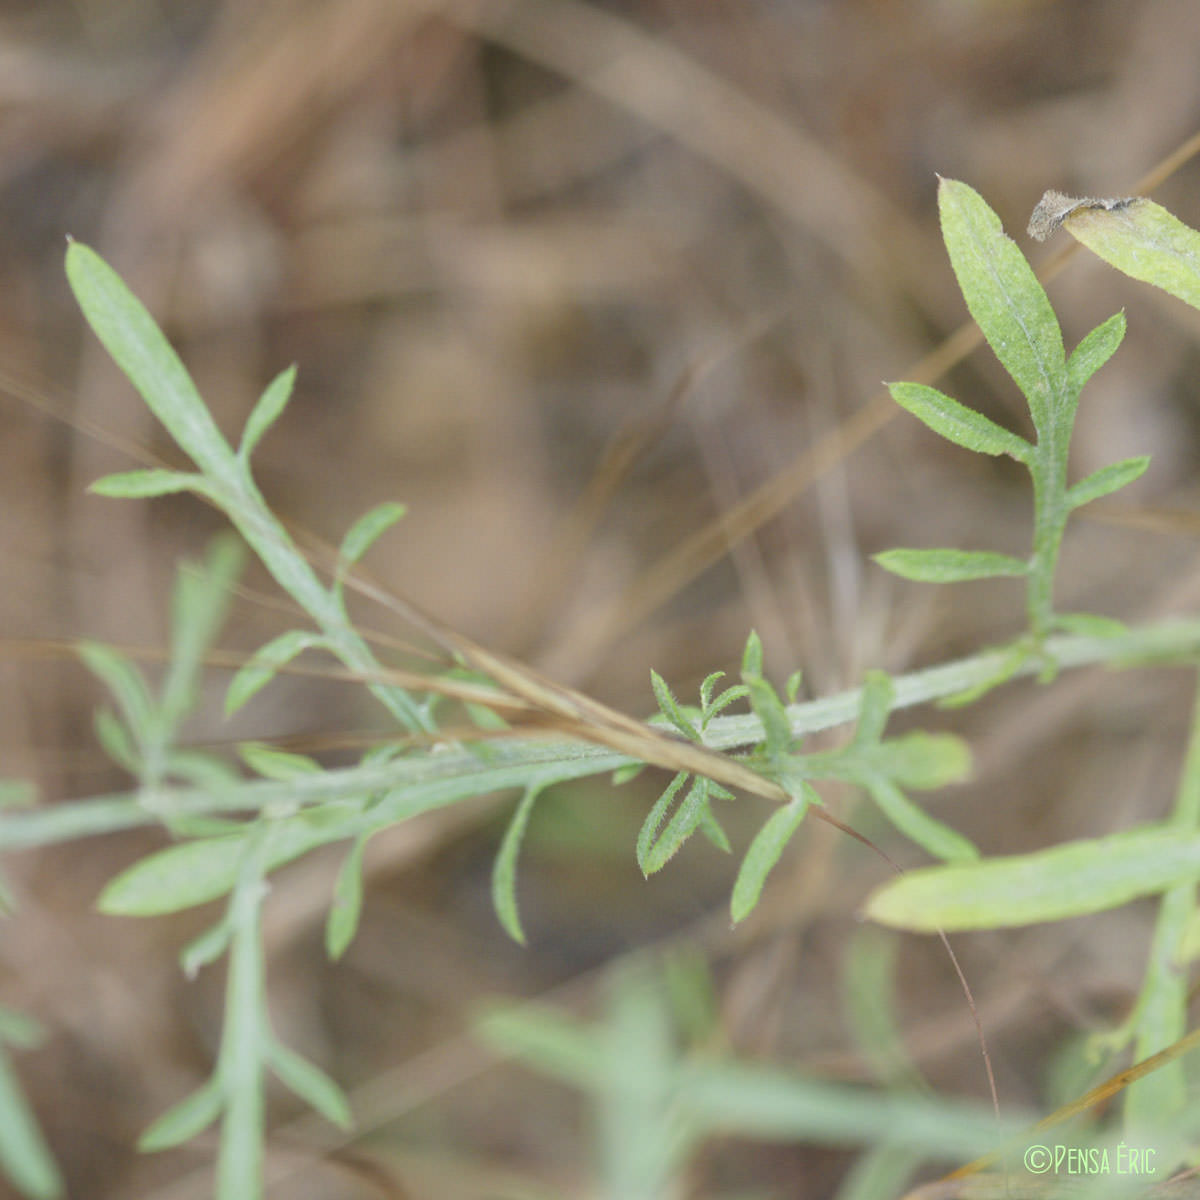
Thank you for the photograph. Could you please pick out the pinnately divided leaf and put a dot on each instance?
(958, 424)
(949, 566)
(1069, 880)
(1005, 298)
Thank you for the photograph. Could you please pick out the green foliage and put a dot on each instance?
(1144, 241)
(1070, 880)
(24, 1157)
(655, 1098)
(655, 1102)
(1014, 313)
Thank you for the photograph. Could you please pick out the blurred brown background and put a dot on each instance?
(572, 280)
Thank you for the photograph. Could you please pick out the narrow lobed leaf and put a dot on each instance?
(264, 665)
(272, 763)
(654, 819)
(344, 912)
(711, 828)
(1145, 241)
(504, 873)
(683, 823)
(958, 424)
(752, 656)
(137, 345)
(769, 709)
(1095, 350)
(764, 852)
(1106, 480)
(1090, 625)
(206, 948)
(142, 484)
(24, 1156)
(670, 707)
(875, 707)
(125, 682)
(1005, 298)
(183, 1121)
(266, 411)
(195, 872)
(922, 760)
(933, 836)
(949, 566)
(311, 1084)
(1070, 880)
(363, 534)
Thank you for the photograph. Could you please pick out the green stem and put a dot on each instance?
(418, 783)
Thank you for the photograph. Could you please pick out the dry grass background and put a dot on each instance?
(572, 281)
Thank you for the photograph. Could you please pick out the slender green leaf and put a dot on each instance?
(1069, 880)
(707, 688)
(114, 739)
(201, 770)
(1090, 625)
(949, 566)
(680, 827)
(671, 708)
(140, 485)
(265, 663)
(1106, 480)
(654, 819)
(342, 923)
(729, 696)
(1015, 657)
(141, 350)
(24, 1157)
(958, 424)
(1095, 350)
(272, 763)
(125, 682)
(195, 872)
(769, 709)
(878, 695)
(764, 852)
(311, 1084)
(206, 948)
(934, 837)
(869, 1003)
(547, 1041)
(504, 873)
(1145, 241)
(765, 1102)
(710, 827)
(752, 656)
(363, 534)
(183, 1121)
(1005, 298)
(199, 604)
(265, 413)
(921, 760)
